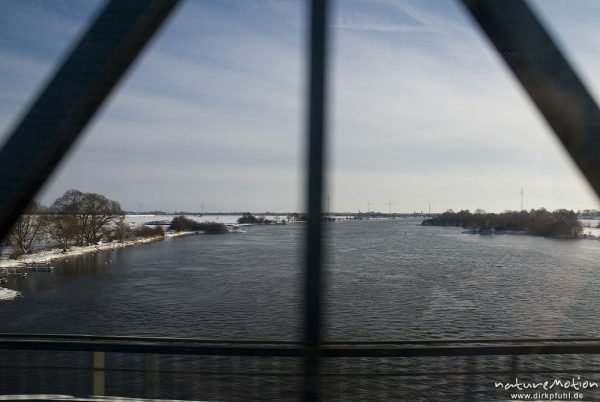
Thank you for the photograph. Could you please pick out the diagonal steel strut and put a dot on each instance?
(542, 70)
(58, 116)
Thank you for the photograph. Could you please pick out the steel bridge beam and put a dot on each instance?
(552, 84)
(61, 112)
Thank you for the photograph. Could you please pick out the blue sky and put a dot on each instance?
(422, 110)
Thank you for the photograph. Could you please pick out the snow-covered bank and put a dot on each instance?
(8, 294)
(54, 254)
(49, 255)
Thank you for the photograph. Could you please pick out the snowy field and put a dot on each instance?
(45, 256)
(590, 227)
(138, 220)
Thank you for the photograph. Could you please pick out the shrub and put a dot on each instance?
(247, 217)
(147, 231)
(183, 224)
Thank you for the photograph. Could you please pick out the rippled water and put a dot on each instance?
(387, 279)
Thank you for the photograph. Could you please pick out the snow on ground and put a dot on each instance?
(49, 255)
(8, 294)
(591, 231)
(138, 220)
(590, 227)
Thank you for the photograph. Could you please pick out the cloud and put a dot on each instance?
(197, 111)
(358, 22)
(418, 120)
(421, 110)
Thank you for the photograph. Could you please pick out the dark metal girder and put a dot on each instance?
(337, 344)
(70, 100)
(538, 64)
(106, 344)
(313, 272)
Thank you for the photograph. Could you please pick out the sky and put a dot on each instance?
(421, 110)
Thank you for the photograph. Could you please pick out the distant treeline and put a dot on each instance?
(539, 222)
(589, 214)
(183, 224)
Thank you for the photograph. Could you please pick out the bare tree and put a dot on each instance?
(63, 229)
(100, 215)
(66, 222)
(84, 218)
(28, 229)
(122, 232)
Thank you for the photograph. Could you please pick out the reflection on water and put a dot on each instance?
(387, 279)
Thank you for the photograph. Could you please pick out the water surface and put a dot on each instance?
(387, 279)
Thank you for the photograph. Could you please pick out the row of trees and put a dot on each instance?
(74, 219)
(540, 222)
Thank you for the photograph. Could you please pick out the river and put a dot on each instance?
(387, 279)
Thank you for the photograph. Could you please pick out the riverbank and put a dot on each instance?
(45, 256)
